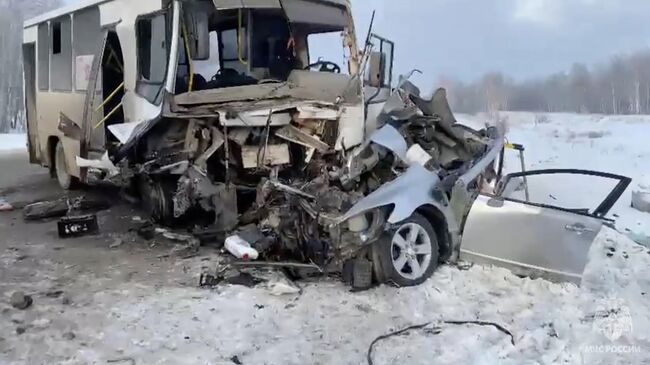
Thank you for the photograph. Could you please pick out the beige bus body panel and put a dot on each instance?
(30, 35)
(122, 15)
(76, 6)
(49, 106)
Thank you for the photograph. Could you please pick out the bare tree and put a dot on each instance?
(621, 86)
(12, 15)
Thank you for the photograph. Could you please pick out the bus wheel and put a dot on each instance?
(158, 200)
(66, 181)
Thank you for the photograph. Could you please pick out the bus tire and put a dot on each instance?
(66, 181)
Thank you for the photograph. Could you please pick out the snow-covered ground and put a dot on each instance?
(615, 144)
(10, 142)
(604, 321)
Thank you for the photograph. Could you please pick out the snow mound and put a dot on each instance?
(13, 142)
(641, 197)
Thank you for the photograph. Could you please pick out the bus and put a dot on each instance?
(100, 74)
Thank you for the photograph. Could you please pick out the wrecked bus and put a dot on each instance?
(218, 107)
(218, 111)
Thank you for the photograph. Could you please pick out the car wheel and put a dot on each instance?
(409, 254)
(66, 181)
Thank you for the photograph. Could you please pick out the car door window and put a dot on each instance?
(577, 191)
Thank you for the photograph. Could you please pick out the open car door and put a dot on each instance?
(548, 235)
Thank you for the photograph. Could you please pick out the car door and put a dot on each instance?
(548, 236)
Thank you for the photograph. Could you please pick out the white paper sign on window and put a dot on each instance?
(83, 67)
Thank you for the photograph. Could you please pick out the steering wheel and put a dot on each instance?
(225, 72)
(325, 66)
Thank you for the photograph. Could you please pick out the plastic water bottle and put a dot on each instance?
(240, 248)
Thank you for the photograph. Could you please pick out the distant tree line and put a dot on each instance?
(621, 86)
(12, 15)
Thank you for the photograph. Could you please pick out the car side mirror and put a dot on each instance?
(198, 35)
(495, 202)
(377, 70)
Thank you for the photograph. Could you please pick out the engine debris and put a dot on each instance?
(312, 181)
(78, 226)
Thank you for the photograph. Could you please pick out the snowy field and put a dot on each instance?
(615, 144)
(604, 321)
(9, 142)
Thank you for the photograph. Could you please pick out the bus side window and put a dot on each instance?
(209, 67)
(61, 54)
(43, 57)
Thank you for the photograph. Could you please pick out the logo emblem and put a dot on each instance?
(613, 319)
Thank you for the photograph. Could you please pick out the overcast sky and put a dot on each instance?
(523, 38)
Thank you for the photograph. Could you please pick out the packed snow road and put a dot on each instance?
(132, 303)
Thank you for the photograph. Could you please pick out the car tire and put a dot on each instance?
(66, 181)
(408, 253)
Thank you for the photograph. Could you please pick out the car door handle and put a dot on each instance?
(578, 228)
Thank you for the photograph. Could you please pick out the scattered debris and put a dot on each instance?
(20, 300)
(66, 300)
(188, 248)
(240, 278)
(235, 360)
(129, 360)
(209, 281)
(103, 164)
(62, 207)
(117, 242)
(147, 231)
(241, 249)
(286, 265)
(426, 327)
(22, 258)
(184, 251)
(283, 288)
(358, 274)
(5, 206)
(78, 226)
(210, 237)
(244, 279)
(54, 294)
(464, 266)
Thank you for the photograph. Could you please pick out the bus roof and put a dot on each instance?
(79, 5)
(82, 4)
